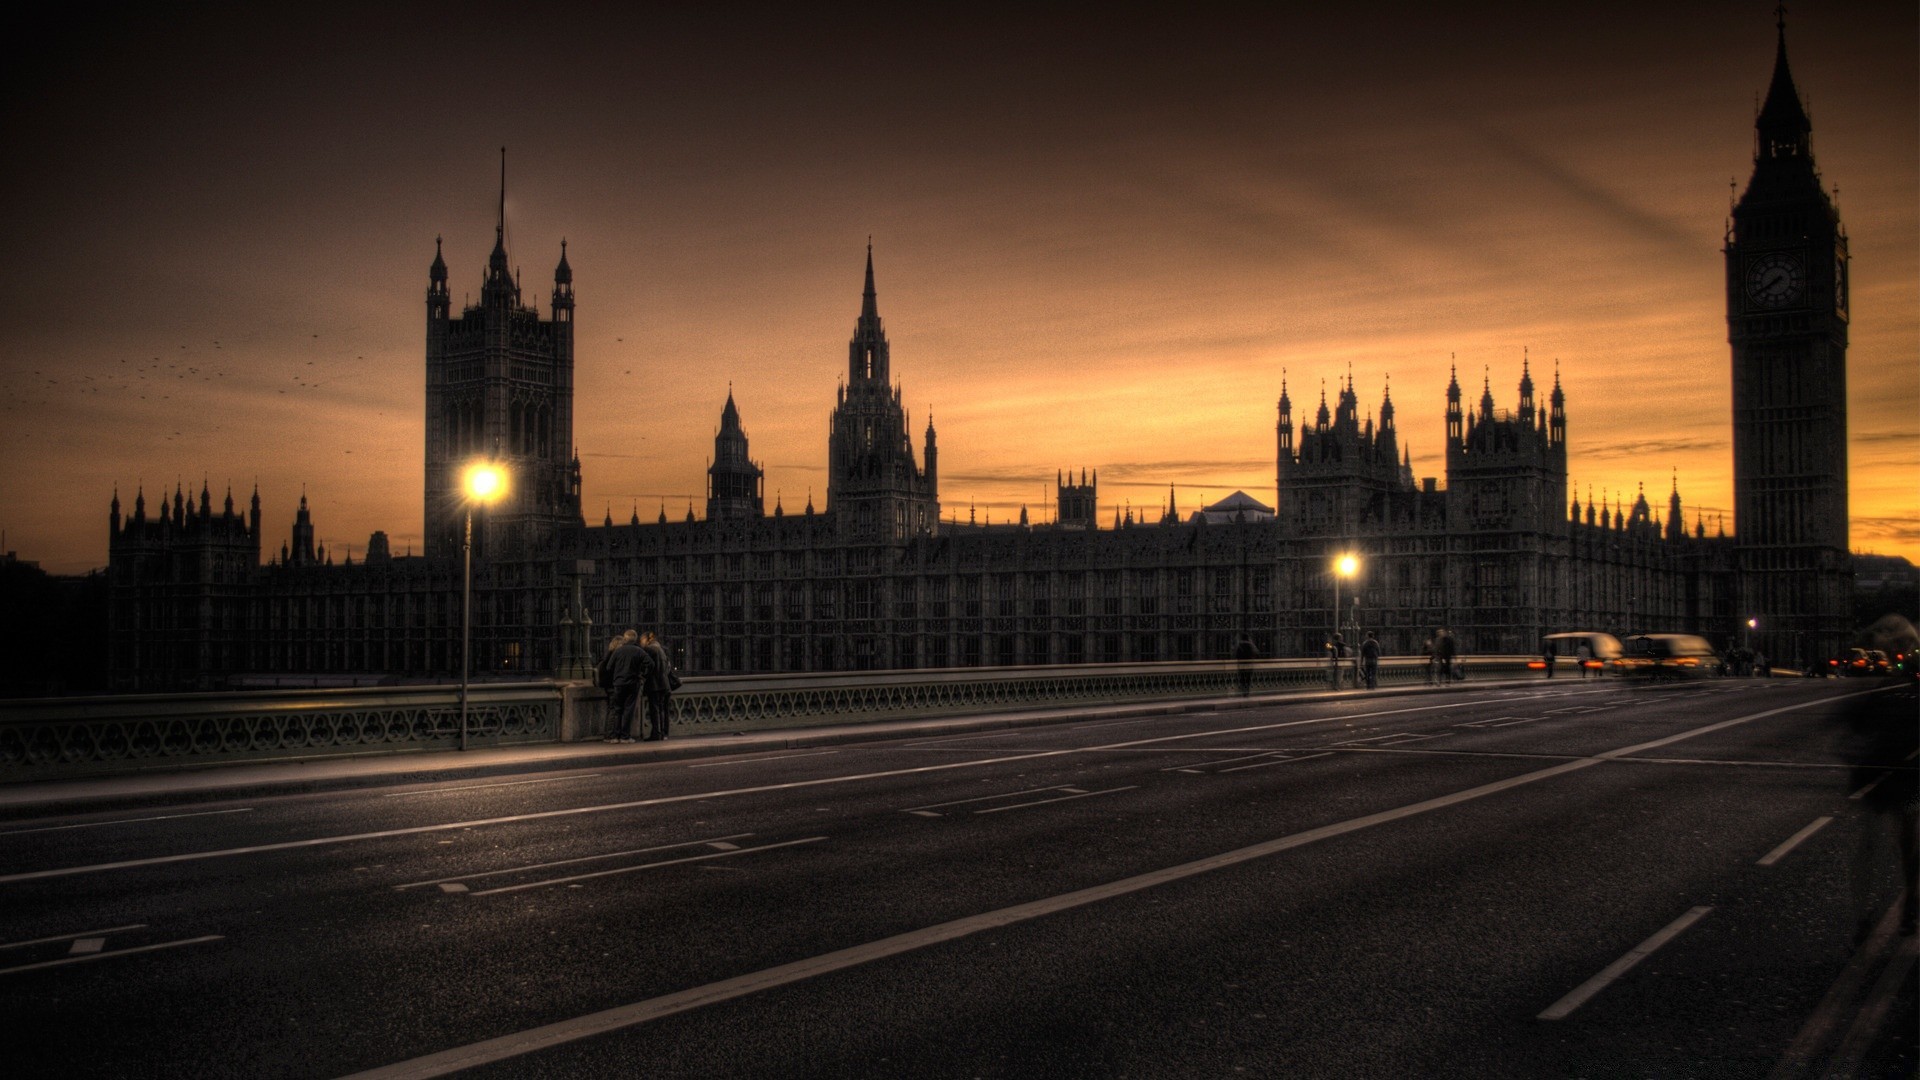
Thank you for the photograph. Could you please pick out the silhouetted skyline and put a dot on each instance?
(1097, 244)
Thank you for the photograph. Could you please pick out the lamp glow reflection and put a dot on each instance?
(485, 483)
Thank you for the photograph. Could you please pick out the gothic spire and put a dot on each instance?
(1783, 125)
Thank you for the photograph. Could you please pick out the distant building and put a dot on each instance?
(1504, 552)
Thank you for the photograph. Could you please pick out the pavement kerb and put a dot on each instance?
(256, 780)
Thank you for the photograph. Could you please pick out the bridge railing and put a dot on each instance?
(62, 737)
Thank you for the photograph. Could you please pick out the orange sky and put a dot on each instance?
(1097, 244)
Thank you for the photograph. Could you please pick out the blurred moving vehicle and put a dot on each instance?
(1672, 656)
(1864, 662)
(1583, 652)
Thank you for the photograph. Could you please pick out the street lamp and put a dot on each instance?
(1344, 565)
(485, 483)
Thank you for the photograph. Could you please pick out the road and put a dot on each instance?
(1565, 879)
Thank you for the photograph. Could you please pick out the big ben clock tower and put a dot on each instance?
(1787, 323)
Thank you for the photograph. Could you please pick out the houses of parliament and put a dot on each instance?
(1502, 552)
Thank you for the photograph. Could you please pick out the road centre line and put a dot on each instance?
(414, 830)
(758, 760)
(1793, 841)
(1581, 994)
(647, 866)
(126, 821)
(524, 1042)
(1077, 794)
(477, 787)
(70, 937)
(569, 862)
(106, 955)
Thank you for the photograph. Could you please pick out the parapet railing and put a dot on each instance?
(59, 737)
(65, 737)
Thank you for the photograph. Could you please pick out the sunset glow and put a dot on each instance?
(1101, 246)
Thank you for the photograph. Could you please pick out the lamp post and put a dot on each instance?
(484, 482)
(1343, 566)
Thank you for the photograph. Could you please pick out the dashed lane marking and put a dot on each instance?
(1073, 793)
(715, 842)
(646, 866)
(1280, 761)
(1581, 994)
(110, 955)
(1793, 841)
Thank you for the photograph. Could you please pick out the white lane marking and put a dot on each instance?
(1076, 794)
(1417, 738)
(69, 937)
(1199, 765)
(1517, 720)
(1874, 783)
(647, 866)
(982, 798)
(1793, 841)
(125, 821)
(105, 955)
(722, 845)
(1280, 761)
(1579, 996)
(1484, 723)
(570, 862)
(85, 945)
(1372, 738)
(478, 787)
(565, 1031)
(320, 841)
(758, 760)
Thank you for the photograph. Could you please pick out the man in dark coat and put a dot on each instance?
(658, 686)
(1444, 650)
(625, 669)
(1370, 661)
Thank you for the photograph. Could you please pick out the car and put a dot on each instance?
(1864, 662)
(1595, 651)
(1670, 656)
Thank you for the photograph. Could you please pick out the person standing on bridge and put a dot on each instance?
(1243, 654)
(1443, 654)
(1370, 661)
(661, 681)
(625, 668)
(1336, 653)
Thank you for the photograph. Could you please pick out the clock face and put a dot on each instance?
(1775, 279)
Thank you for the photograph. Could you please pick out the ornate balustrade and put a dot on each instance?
(59, 737)
(84, 736)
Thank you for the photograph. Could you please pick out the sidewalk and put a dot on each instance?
(160, 787)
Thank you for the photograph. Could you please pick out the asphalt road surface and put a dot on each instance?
(1572, 879)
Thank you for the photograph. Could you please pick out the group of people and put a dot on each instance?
(1365, 661)
(635, 667)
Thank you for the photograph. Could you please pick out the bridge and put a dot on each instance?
(53, 738)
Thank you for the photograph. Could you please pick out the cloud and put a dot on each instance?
(1588, 192)
(1654, 448)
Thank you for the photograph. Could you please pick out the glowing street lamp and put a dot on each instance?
(1344, 566)
(485, 483)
